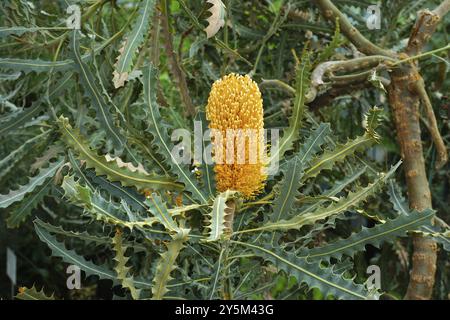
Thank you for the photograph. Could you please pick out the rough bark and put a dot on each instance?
(404, 98)
(405, 108)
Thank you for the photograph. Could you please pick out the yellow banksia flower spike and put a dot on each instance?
(235, 104)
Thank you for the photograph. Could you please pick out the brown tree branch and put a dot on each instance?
(357, 64)
(442, 9)
(330, 12)
(327, 97)
(177, 73)
(425, 25)
(442, 156)
(275, 83)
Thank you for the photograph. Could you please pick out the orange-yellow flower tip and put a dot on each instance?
(235, 103)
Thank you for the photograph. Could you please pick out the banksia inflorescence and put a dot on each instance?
(235, 107)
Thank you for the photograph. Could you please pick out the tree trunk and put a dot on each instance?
(405, 107)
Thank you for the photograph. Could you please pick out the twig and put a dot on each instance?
(278, 84)
(418, 56)
(215, 40)
(364, 45)
(327, 97)
(352, 65)
(425, 26)
(419, 88)
(154, 35)
(273, 28)
(442, 9)
(178, 74)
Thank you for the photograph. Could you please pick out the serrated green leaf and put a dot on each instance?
(159, 210)
(33, 294)
(99, 101)
(134, 199)
(84, 236)
(401, 206)
(375, 236)
(19, 30)
(115, 189)
(302, 80)
(287, 189)
(18, 214)
(207, 170)
(76, 166)
(34, 182)
(37, 65)
(22, 117)
(166, 264)
(311, 273)
(335, 43)
(111, 169)
(293, 172)
(330, 157)
(100, 208)
(216, 219)
(123, 272)
(337, 187)
(371, 121)
(134, 39)
(352, 200)
(397, 199)
(9, 162)
(9, 77)
(161, 137)
(71, 257)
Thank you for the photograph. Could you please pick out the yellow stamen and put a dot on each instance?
(235, 103)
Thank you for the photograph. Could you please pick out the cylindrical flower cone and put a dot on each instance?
(235, 114)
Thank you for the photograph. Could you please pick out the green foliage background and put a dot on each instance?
(46, 109)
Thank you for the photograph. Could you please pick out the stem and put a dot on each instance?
(426, 23)
(428, 53)
(227, 293)
(352, 65)
(273, 28)
(331, 12)
(442, 156)
(178, 74)
(154, 34)
(277, 83)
